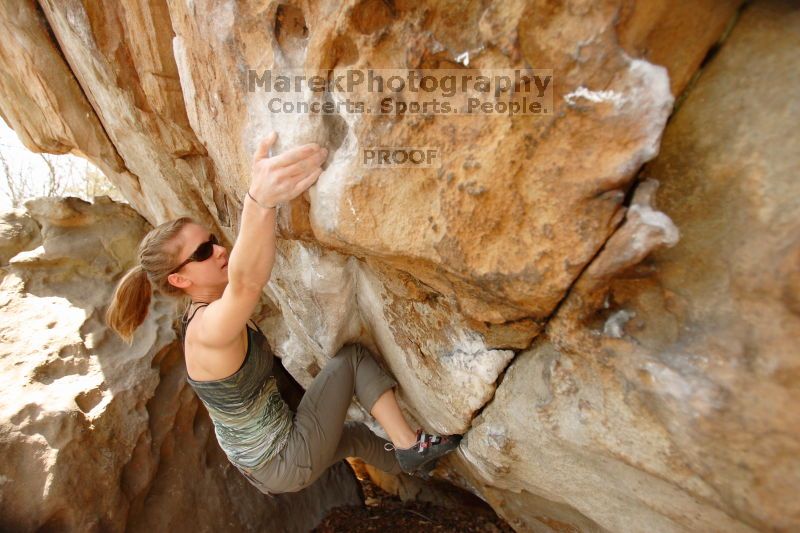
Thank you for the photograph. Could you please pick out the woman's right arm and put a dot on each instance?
(275, 180)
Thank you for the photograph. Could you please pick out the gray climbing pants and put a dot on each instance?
(320, 437)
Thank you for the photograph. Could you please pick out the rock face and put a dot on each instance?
(615, 342)
(679, 375)
(99, 436)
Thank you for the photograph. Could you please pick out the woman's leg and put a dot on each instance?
(390, 417)
(359, 441)
(320, 417)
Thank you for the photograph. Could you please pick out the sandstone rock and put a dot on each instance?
(131, 79)
(545, 192)
(508, 286)
(18, 232)
(99, 436)
(667, 32)
(398, 211)
(661, 398)
(412, 488)
(44, 103)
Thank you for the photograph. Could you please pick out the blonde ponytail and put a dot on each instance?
(157, 258)
(130, 303)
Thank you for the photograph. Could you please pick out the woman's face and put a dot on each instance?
(211, 272)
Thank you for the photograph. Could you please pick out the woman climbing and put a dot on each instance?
(229, 364)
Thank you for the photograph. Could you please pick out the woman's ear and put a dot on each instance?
(176, 280)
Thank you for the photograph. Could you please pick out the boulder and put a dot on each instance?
(614, 341)
(662, 394)
(96, 435)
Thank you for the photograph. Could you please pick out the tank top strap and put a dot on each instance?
(256, 325)
(185, 321)
(204, 304)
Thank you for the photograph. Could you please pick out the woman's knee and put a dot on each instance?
(343, 361)
(351, 353)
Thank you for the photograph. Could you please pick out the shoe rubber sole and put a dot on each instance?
(424, 468)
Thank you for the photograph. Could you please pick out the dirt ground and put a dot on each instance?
(387, 513)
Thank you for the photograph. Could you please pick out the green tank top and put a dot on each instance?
(251, 420)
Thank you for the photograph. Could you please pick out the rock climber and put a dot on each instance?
(230, 365)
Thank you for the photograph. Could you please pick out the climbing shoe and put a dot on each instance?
(421, 458)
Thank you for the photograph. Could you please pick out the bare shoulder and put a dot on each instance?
(204, 363)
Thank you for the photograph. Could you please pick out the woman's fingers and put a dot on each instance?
(290, 157)
(283, 177)
(303, 167)
(287, 188)
(306, 182)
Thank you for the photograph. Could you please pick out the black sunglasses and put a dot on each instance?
(203, 252)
